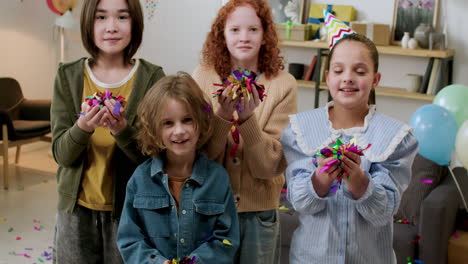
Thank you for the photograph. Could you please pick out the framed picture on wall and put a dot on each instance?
(408, 14)
(287, 10)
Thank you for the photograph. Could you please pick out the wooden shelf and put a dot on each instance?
(380, 90)
(390, 50)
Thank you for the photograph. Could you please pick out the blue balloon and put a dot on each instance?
(436, 131)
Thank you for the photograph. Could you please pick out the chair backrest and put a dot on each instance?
(12, 96)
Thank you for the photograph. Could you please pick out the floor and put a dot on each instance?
(27, 209)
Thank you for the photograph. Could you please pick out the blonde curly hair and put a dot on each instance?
(183, 88)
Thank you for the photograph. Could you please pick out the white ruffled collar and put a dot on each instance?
(352, 130)
(313, 131)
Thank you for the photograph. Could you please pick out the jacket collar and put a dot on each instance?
(199, 171)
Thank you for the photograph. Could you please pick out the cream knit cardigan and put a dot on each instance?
(257, 171)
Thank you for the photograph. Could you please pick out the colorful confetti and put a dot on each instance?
(427, 181)
(185, 260)
(227, 242)
(336, 150)
(98, 98)
(243, 82)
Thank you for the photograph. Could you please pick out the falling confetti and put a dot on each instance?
(427, 181)
(150, 7)
(227, 242)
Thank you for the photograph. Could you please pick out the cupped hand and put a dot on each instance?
(322, 181)
(247, 106)
(358, 181)
(227, 104)
(91, 119)
(115, 122)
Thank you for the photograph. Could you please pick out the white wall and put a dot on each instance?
(174, 38)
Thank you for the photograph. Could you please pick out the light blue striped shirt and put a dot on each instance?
(336, 228)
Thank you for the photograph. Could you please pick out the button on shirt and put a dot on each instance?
(151, 225)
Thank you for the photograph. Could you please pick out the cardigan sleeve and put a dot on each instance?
(262, 150)
(216, 148)
(69, 141)
(125, 140)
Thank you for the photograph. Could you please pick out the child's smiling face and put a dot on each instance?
(351, 76)
(112, 26)
(244, 37)
(178, 131)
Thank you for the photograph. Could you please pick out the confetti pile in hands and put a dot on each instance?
(336, 150)
(243, 82)
(185, 260)
(98, 98)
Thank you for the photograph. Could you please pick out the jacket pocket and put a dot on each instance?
(155, 212)
(206, 215)
(209, 207)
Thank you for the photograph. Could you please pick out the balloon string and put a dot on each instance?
(459, 189)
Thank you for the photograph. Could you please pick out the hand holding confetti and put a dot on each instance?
(243, 81)
(185, 260)
(337, 150)
(99, 98)
(92, 117)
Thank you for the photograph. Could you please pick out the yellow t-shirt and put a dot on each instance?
(97, 183)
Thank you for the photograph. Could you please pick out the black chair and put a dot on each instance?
(23, 121)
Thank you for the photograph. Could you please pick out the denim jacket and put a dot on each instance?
(153, 230)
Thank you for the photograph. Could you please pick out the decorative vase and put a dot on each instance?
(404, 40)
(421, 34)
(412, 43)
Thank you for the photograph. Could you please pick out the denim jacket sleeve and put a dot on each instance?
(131, 237)
(215, 250)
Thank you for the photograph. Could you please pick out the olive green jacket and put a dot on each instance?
(69, 142)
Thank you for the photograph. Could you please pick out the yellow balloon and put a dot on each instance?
(461, 144)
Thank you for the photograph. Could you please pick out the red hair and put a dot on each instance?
(216, 54)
